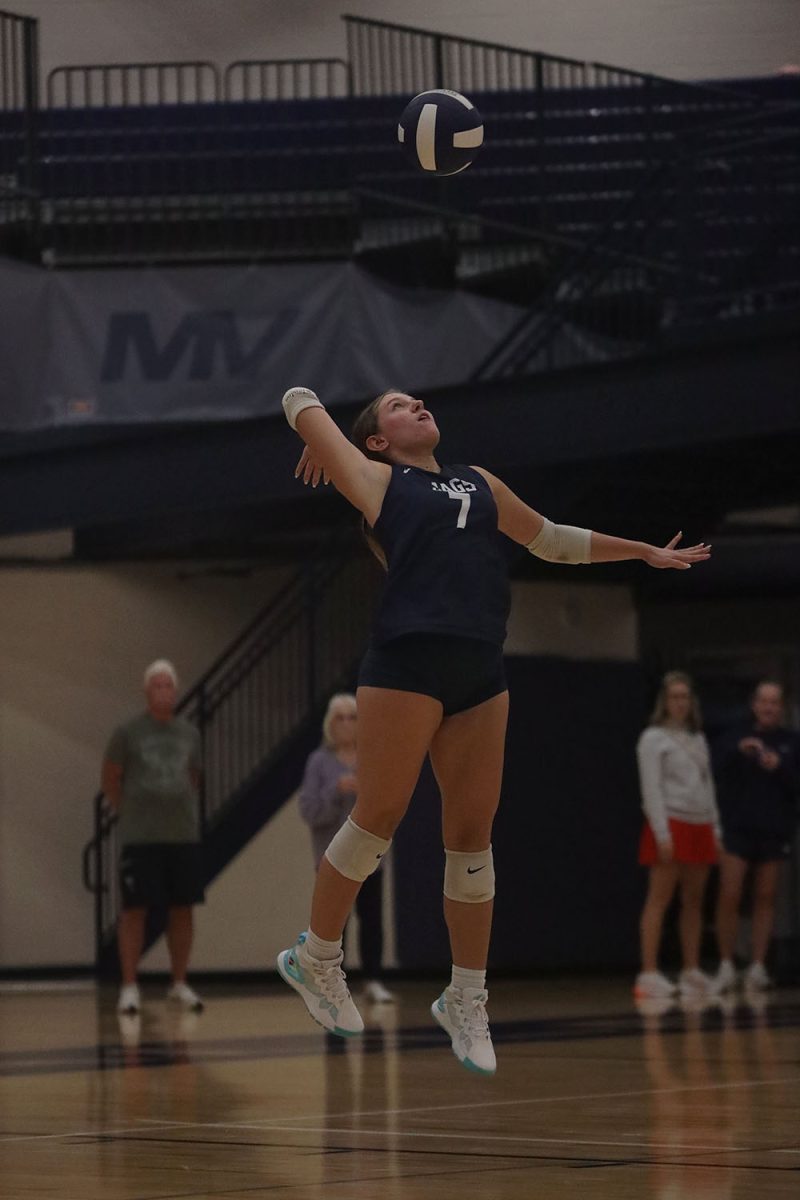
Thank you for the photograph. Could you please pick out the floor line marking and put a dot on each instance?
(393, 1112)
(504, 1137)
(278, 1122)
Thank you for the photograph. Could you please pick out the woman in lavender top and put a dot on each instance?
(327, 795)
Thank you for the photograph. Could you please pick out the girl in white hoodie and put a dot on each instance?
(681, 836)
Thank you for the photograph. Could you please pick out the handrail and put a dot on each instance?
(533, 333)
(712, 89)
(259, 619)
(133, 76)
(540, 57)
(522, 232)
(477, 42)
(298, 69)
(19, 100)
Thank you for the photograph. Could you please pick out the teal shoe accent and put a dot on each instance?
(476, 1070)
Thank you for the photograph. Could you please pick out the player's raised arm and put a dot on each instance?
(330, 455)
(569, 544)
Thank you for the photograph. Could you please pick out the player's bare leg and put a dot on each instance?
(467, 757)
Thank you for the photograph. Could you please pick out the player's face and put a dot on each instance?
(406, 425)
(678, 702)
(768, 705)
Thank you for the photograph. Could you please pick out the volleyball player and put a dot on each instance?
(432, 682)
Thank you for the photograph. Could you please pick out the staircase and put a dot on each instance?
(259, 710)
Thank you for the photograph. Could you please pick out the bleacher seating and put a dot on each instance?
(280, 178)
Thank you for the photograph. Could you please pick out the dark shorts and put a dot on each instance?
(459, 672)
(756, 847)
(161, 875)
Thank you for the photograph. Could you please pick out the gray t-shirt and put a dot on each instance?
(159, 800)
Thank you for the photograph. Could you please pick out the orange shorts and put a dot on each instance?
(690, 844)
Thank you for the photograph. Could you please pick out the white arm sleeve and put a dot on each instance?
(297, 399)
(562, 543)
(648, 755)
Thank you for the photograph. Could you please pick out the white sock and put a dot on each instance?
(463, 977)
(318, 948)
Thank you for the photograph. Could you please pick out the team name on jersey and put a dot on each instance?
(454, 485)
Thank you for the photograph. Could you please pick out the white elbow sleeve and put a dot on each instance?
(295, 400)
(562, 543)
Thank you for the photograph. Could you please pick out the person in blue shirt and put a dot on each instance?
(432, 682)
(758, 780)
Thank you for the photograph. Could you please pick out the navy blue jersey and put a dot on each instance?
(447, 569)
(751, 799)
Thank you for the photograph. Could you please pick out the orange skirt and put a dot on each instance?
(690, 844)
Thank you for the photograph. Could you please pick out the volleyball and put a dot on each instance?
(441, 132)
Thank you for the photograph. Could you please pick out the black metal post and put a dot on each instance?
(99, 882)
(438, 61)
(310, 597)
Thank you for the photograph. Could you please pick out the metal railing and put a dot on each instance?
(287, 79)
(19, 124)
(120, 85)
(390, 59)
(272, 678)
(153, 162)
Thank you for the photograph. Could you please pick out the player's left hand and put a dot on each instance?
(670, 556)
(310, 471)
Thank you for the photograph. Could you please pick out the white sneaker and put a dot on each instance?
(652, 985)
(694, 982)
(322, 984)
(725, 978)
(654, 1007)
(461, 1012)
(130, 1000)
(756, 978)
(375, 991)
(185, 996)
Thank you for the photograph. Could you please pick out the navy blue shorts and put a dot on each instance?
(459, 672)
(756, 847)
(161, 875)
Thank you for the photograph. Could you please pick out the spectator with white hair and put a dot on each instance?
(151, 776)
(327, 795)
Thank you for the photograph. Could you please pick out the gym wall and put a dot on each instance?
(686, 39)
(74, 643)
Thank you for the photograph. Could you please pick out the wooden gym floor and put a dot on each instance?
(250, 1100)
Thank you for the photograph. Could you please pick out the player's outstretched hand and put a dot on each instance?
(310, 471)
(670, 556)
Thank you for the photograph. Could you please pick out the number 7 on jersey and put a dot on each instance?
(465, 499)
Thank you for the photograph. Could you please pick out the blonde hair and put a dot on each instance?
(694, 720)
(327, 720)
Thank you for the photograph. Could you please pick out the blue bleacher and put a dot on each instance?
(566, 160)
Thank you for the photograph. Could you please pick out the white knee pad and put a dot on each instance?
(355, 853)
(469, 877)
